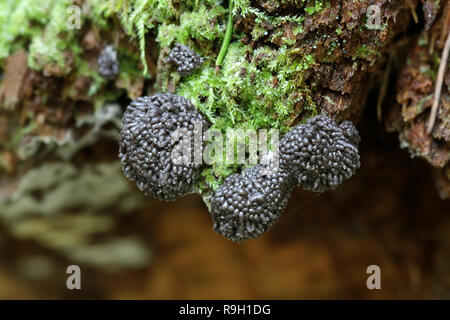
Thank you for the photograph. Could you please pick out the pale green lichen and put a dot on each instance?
(200, 24)
(63, 208)
(41, 27)
(104, 123)
(65, 188)
(365, 52)
(44, 30)
(255, 88)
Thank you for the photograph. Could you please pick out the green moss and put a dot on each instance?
(244, 8)
(365, 52)
(41, 28)
(201, 25)
(56, 39)
(332, 47)
(258, 32)
(257, 87)
(67, 208)
(23, 22)
(139, 17)
(316, 6)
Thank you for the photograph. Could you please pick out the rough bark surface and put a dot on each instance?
(415, 93)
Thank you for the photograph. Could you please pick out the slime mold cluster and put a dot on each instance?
(186, 59)
(146, 145)
(108, 65)
(318, 156)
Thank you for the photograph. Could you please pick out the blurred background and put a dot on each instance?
(389, 214)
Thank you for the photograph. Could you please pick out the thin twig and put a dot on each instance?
(384, 87)
(413, 11)
(227, 38)
(439, 83)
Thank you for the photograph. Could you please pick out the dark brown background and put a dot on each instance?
(389, 214)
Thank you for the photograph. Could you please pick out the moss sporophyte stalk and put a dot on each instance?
(227, 38)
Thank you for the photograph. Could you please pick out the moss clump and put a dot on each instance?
(139, 17)
(255, 89)
(316, 6)
(367, 53)
(54, 47)
(201, 25)
(23, 24)
(42, 28)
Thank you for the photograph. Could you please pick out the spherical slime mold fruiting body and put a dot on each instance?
(147, 144)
